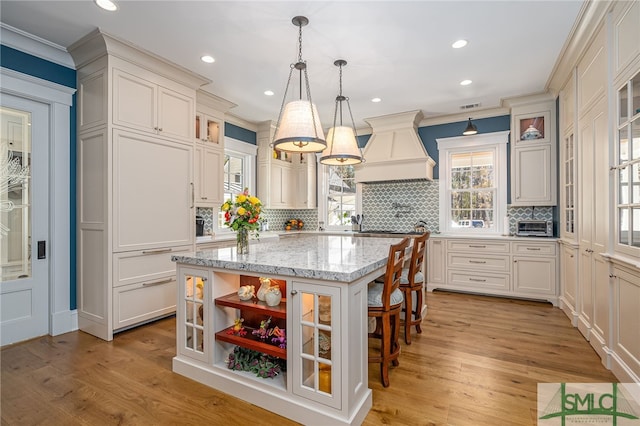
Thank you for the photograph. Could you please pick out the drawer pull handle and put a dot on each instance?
(533, 248)
(167, 250)
(472, 246)
(152, 283)
(477, 261)
(294, 292)
(477, 280)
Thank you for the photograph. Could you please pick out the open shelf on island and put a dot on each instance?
(250, 341)
(233, 301)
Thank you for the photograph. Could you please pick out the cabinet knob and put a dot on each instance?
(294, 292)
(160, 129)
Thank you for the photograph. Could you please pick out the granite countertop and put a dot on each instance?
(491, 237)
(323, 257)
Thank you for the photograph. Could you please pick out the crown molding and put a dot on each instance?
(35, 46)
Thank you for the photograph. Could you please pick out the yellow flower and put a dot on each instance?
(225, 207)
(241, 198)
(254, 200)
(241, 211)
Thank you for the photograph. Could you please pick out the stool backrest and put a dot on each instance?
(417, 255)
(392, 276)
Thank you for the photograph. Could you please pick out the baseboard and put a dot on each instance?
(63, 322)
(622, 371)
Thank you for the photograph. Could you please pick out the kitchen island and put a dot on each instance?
(323, 280)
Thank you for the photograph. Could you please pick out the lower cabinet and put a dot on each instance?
(626, 318)
(306, 338)
(136, 303)
(505, 267)
(569, 280)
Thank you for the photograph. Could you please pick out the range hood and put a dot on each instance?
(395, 150)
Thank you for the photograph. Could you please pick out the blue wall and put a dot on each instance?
(239, 133)
(31, 65)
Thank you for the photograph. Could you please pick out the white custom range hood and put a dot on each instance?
(395, 151)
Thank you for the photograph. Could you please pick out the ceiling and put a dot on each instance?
(399, 51)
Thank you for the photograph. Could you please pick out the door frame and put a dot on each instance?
(59, 98)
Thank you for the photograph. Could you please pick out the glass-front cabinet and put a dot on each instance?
(628, 167)
(191, 332)
(316, 358)
(207, 128)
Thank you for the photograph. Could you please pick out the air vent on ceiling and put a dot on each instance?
(469, 106)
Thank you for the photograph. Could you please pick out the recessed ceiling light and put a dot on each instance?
(107, 5)
(269, 92)
(465, 82)
(458, 44)
(208, 59)
(376, 100)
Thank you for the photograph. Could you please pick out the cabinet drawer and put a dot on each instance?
(141, 302)
(479, 246)
(534, 249)
(145, 266)
(494, 263)
(479, 281)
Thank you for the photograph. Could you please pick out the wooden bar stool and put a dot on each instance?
(412, 280)
(384, 304)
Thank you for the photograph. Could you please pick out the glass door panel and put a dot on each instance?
(15, 194)
(192, 336)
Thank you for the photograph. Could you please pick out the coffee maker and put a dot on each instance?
(199, 226)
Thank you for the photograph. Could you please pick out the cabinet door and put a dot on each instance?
(534, 275)
(626, 317)
(152, 198)
(134, 102)
(175, 115)
(531, 176)
(208, 129)
(436, 261)
(281, 185)
(137, 303)
(212, 176)
(301, 198)
(569, 295)
(316, 365)
(192, 311)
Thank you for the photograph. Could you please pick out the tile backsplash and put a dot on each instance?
(393, 206)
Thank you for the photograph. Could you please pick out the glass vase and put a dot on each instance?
(242, 241)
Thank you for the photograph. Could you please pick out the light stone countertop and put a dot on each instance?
(323, 257)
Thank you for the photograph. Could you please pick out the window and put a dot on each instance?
(339, 196)
(239, 163)
(473, 181)
(628, 167)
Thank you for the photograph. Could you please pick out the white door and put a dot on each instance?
(24, 216)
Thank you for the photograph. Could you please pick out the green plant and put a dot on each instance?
(262, 365)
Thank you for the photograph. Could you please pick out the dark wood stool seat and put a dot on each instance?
(385, 304)
(412, 281)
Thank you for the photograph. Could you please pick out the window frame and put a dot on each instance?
(323, 206)
(495, 142)
(248, 153)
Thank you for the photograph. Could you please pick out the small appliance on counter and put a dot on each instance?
(199, 226)
(534, 228)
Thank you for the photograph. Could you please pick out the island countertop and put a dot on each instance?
(322, 257)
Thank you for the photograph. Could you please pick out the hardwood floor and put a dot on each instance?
(477, 362)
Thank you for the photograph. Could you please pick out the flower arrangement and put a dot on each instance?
(243, 213)
(262, 365)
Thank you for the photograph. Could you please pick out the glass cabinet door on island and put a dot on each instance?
(316, 360)
(191, 332)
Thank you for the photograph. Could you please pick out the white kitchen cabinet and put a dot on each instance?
(209, 129)
(208, 176)
(626, 333)
(436, 260)
(285, 180)
(144, 105)
(533, 153)
(507, 266)
(569, 295)
(135, 166)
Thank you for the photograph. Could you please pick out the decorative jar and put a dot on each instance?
(273, 296)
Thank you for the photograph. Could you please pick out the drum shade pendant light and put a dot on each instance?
(299, 128)
(342, 146)
(471, 129)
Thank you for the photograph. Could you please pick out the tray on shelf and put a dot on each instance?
(233, 301)
(252, 342)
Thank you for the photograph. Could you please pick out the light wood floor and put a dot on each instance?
(476, 363)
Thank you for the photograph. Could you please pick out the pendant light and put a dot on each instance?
(342, 146)
(471, 129)
(299, 128)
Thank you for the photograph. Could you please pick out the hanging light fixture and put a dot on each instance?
(471, 129)
(299, 128)
(342, 146)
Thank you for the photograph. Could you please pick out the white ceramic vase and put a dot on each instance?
(273, 296)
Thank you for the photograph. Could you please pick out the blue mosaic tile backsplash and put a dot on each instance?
(391, 206)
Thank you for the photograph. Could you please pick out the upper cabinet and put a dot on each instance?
(533, 152)
(285, 180)
(144, 105)
(208, 128)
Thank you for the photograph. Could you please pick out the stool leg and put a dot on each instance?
(419, 303)
(385, 349)
(408, 315)
(396, 339)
